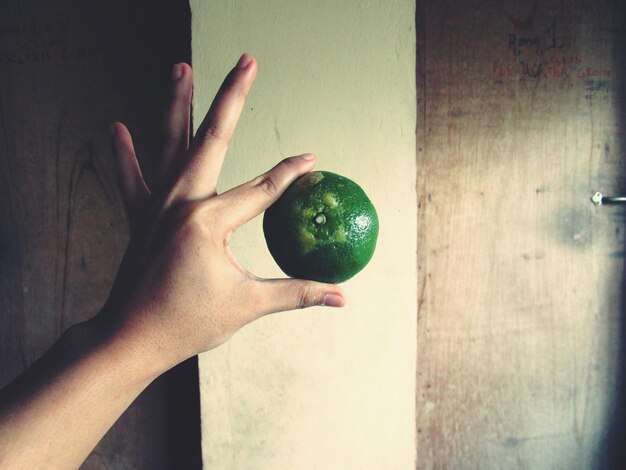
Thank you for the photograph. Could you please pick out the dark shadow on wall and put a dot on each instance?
(167, 414)
(165, 419)
(614, 449)
(67, 69)
(162, 36)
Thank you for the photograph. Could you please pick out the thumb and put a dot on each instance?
(280, 295)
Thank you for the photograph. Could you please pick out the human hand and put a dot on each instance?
(179, 290)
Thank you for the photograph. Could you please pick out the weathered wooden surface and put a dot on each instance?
(66, 70)
(520, 119)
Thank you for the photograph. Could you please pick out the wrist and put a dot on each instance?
(129, 353)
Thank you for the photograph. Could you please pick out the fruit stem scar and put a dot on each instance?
(320, 219)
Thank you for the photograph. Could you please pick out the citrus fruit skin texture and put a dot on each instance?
(323, 228)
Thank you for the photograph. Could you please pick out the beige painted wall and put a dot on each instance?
(319, 389)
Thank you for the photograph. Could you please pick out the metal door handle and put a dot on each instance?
(598, 199)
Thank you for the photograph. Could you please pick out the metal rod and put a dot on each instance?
(598, 199)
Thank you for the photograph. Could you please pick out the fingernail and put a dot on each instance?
(307, 156)
(333, 300)
(177, 72)
(244, 61)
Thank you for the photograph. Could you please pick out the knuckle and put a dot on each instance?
(214, 132)
(302, 302)
(268, 184)
(306, 297)
(288, 164)
(273, 181)
(194, 220)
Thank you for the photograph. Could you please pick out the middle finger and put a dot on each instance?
(176, 121)
(208, 148)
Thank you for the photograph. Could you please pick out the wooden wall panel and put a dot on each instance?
(520, 276)
(68, 68)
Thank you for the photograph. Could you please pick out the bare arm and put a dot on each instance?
(56, 412)
(179, 290)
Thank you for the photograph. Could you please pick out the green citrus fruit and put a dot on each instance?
(323, 227)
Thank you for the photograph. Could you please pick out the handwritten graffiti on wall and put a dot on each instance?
(540, 50)
(41, 40)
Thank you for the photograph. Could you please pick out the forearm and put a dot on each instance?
(55, 413)
(179, 291)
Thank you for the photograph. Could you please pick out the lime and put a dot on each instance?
(323, 227)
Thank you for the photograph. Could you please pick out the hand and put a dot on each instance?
(179, 290)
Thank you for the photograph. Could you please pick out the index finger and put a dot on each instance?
(214, 134)
(248, 200)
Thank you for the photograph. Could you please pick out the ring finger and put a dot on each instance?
(176, 121)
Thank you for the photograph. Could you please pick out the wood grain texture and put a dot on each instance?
(67, 69)
(519, 121)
